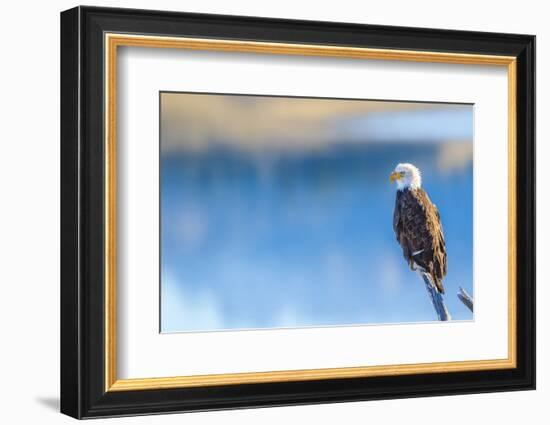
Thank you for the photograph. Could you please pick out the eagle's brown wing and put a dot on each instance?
(398, 226)
(418, 230)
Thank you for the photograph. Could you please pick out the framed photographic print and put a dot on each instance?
(261, 212)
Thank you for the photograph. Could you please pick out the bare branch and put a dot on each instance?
(437, 299)
(466, 299)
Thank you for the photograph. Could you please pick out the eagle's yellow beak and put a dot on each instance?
(395, 176)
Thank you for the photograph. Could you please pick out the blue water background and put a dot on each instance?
(294, 238)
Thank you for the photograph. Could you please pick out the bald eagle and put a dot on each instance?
(417, 226)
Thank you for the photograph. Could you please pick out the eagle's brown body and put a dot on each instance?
(418, 230)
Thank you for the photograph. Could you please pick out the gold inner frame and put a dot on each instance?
(113, 41)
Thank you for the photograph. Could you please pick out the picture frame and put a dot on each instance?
(91, 38)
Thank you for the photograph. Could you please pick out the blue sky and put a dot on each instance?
(282, 231)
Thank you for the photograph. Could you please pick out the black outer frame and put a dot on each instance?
(82, 219)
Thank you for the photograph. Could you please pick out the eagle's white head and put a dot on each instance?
(407, 176)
